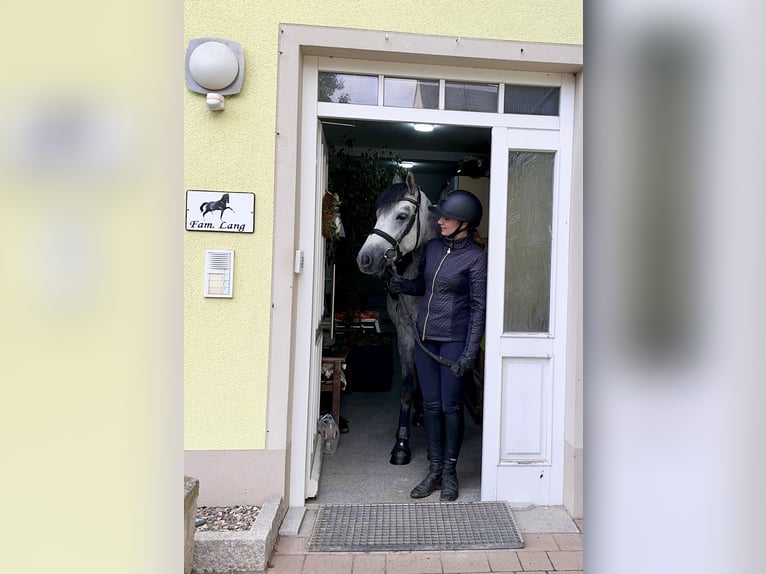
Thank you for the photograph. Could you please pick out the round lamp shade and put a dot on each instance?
(213, 65)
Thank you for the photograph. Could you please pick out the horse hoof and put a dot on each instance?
(399, 458)
(401, 453)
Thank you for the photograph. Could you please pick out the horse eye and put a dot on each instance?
(401, 217)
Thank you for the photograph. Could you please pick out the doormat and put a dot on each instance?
(414, 526)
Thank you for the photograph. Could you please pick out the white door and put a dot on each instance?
(306, 455)
(522, 457)
(314, 452)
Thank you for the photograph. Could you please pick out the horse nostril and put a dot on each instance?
(365, 260)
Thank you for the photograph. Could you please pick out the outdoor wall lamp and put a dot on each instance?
(214, 67)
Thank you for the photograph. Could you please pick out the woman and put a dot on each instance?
(452, 278)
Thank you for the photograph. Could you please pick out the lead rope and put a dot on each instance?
(400, 301)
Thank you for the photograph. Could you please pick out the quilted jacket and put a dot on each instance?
(452, 278)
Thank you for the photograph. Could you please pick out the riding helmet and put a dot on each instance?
(461, 205)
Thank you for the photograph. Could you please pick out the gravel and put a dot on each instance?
(217, 518)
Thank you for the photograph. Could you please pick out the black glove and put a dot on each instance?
(462, 366)
(395, 285)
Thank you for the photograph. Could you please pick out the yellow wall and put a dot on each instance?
(226, 340)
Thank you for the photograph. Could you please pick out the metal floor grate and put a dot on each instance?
(416, 526)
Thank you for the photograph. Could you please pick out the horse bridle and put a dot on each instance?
(394, 253)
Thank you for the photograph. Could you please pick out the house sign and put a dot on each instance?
(227, 211)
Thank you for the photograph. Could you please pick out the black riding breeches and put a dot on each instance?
(438, 384)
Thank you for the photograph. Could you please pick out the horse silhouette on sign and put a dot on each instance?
(220, 205)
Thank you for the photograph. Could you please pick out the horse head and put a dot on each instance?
(403, 225)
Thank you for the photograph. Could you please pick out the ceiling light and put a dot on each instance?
(407, 164)
(423, 127)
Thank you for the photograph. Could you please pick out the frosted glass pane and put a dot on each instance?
(528, 245)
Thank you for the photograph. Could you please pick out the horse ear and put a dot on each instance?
(411, 184)
(397, 179)
(446, 189)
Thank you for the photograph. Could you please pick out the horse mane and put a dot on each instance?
(391, 195)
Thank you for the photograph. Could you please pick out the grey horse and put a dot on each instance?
(403, 226)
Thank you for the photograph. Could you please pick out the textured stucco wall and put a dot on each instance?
(226, 341)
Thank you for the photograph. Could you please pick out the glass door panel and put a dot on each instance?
(528, 242)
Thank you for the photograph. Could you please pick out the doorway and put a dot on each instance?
(534, 127)
(359, 470)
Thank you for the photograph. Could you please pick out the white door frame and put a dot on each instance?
(290, 330)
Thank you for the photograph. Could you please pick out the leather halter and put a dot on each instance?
(393, 253)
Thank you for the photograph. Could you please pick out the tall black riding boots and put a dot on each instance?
(434, 424)
(454, 426)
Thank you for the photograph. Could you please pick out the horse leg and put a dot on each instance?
(401, 453)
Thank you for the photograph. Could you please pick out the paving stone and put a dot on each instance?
(534, 560)
(566, 560)
(327, 563)
(291, 545)
(460, 562)
(503, 560)
(568, 541)
(414, 563)
(369, 564)
(285, 564)
(542, 542)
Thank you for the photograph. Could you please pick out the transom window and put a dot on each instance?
(348, 88)
(411, 93)
(470, 97)
(434, 94)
